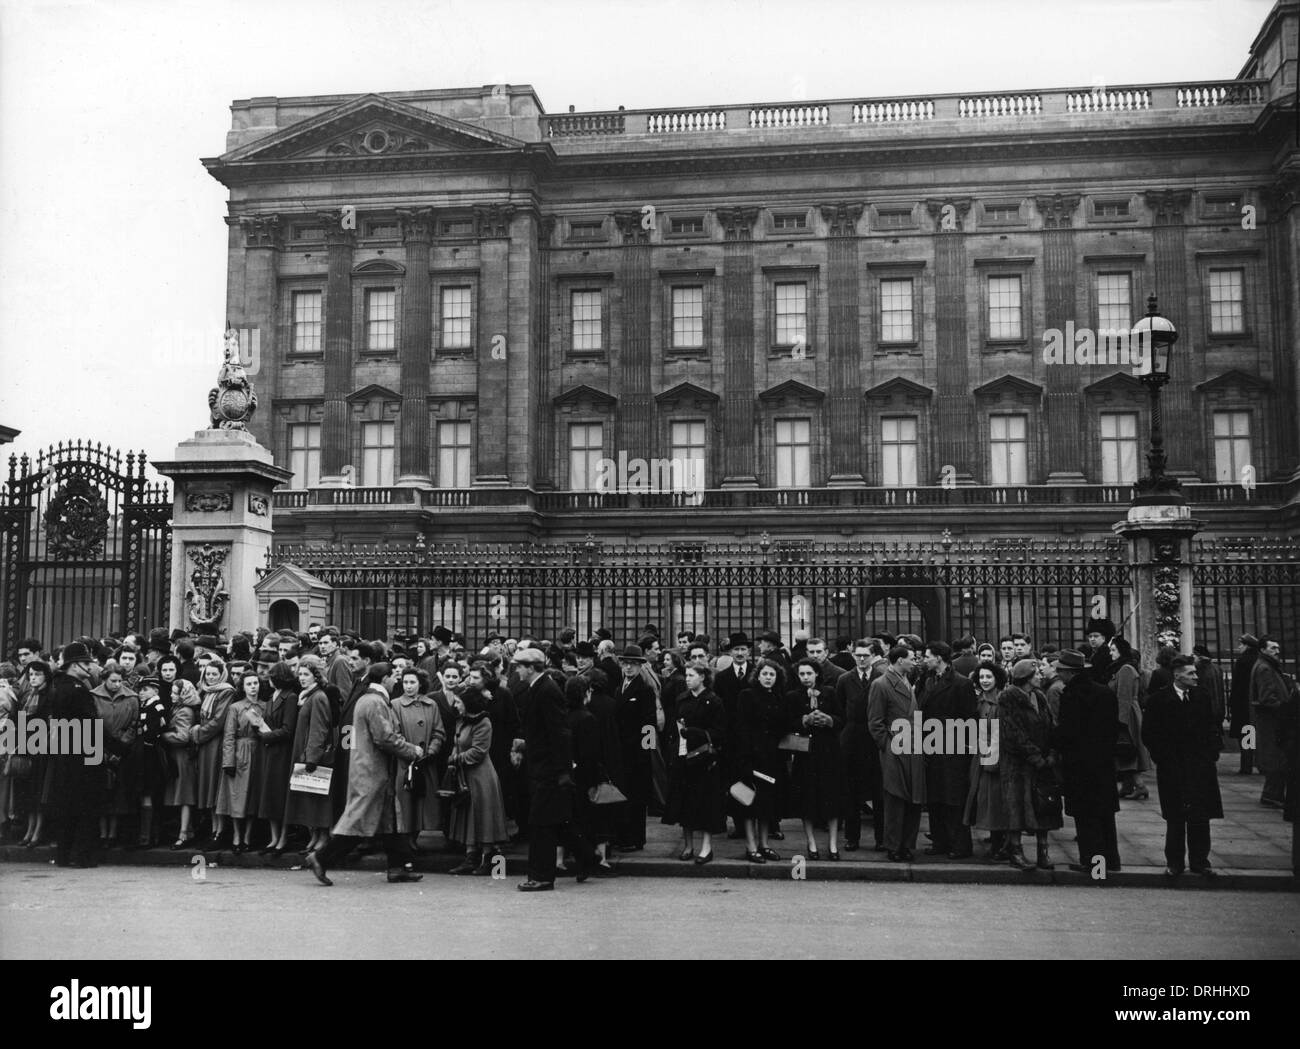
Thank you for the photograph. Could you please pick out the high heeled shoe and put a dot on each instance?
(755, 857)
(687, 854)
(702, 859)
(833, 855)
(813, 854)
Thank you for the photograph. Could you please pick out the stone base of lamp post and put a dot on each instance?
(1160, 591)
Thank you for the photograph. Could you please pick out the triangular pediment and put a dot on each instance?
(1009, 384)
(370, 125)
(586, 394)
(897, 387)
(1119, 382)
(791, 389)
(687, 392)
(288, 578)
(1234, 379)
(373, 392)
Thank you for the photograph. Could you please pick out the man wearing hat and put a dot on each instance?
(548, 761)
(770, 646)
(635, 715)
(1180, 732)
(728, 683)
(78, 787)
(1085, 738)
(1239, 712)
(1098, 632)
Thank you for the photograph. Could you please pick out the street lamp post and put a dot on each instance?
(1159, 335)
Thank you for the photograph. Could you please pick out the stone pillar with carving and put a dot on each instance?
(1063, 407)
(952, 402)
(417, 304)
(1160, 589)
(222, 512)
(251, 306)
(738, 347)
(843, 346)
(334, 437)
(1183, 438)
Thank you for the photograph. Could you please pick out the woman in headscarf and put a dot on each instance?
(276, 739)
(177, 740)
(241, 757)
(1131, 759)
(419, 721)
(985, 808)
(313, 737)
(478, 819)
(762, 716)
(1027, 764)
(120, 710)
(216, 695)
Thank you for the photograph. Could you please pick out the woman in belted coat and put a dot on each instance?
(281, 718)
(763, 719)
(478, 820)
(120, 708)
(819, 773)
(418, 805)
(695, 789)
(1027, 763)
(216, 695)
(313, 738)
(985, 808)
(241, 757)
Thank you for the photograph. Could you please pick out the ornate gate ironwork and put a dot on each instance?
(86, 545)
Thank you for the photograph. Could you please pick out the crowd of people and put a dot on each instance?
(323, 742)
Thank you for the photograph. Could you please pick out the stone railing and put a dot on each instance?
(1099, 101)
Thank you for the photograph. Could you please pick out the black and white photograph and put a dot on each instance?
(650, 482)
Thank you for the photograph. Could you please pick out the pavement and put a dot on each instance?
(1250, 849)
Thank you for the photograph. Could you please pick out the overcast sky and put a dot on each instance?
(113, 245)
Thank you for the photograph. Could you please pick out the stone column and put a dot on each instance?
(494, 393)
(844, 347)
(1160, 588)
(417, 306)
(251, 309)
(543, 432)
(634, 404)
(1182, 428)
(335, 439)
(952, 403)
(1063, 407)
(738, 347)
(1283, 202)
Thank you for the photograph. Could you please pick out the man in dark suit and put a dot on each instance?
(728, 684)
(1085, 738)
(861, 759)
(548, 757)
(1180, 732)
(635, 715)
(947, 696)
(77, 786)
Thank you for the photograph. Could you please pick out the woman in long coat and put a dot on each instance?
(587, 769)
(695, 791)
(32, 792)
(313, 737)
(177, 740)
(1126, 683)
(241, 754)
(276, 739)
(418, 719)
(479, 820)
(985, 808)
(120, 708)
(216, 695)
(1027, 763)
(606, 819)
(763, 717)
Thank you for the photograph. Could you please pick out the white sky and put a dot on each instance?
(112, 240)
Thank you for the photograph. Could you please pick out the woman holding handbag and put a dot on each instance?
(119, 708)
(177, 740)
(762, 716)
(313, 737)
(985, 809)
(479, 817)
(419, 721)
(819, 773)
(695, 791)
(241, 757)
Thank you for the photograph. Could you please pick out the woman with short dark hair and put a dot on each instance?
(313, 737)
(762, 715)
(241, 755)
(819, 772)
(985, 808)
(479, 819)
(276, 739)
(1131, 759)
(419, 721)
(1027, 764)
(118, 705)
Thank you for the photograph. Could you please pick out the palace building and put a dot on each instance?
(455, 306)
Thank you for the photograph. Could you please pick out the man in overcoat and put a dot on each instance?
(862, 780)
(1270, 692)
(78, 789)
(903, 775)
(371, 809)
(1085, 738)
(634, 712)
(1180, 732)
(728, 684)
(947, 696)
(548, 757)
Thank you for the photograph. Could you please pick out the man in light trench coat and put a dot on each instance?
(891, 697)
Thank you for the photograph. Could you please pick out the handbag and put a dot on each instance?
(795, 743)
(453, 784)
(605, 794)
(1047, 802)
(415, 782)
(743, 793)
(700, 752)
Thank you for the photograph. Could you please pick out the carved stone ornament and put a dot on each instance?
(208, 502)
(1169, 624)
(377, 140)
(232, 401)
(206, 595)
(1058, 210)
(75, 520)
(259, 505)
(842, 218)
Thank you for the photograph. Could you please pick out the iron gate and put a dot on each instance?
(86, 545)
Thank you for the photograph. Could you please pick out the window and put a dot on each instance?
(304, 454)
(381, 319)
(794, 614)
(898, 449)
(896, 311)
(586, 448)
(453, 455)
(1004, 308)
(1009, 445)
(456, 331)
(456, 228)
(585, 308)
(1110, 209)
(792, 221)
(791, 314)
(1227, 305)
(308, 233)
(377, 454)
(1002, 212)
(307, 321)
(686, 445)
(688, 318)
(1114, 302)
(1231, 445)
(688, 612)
(1119, 447)
(1222, 207)
(793, 453)
(586, 231)
(686, 226)
(894, 218)
(384, 230)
